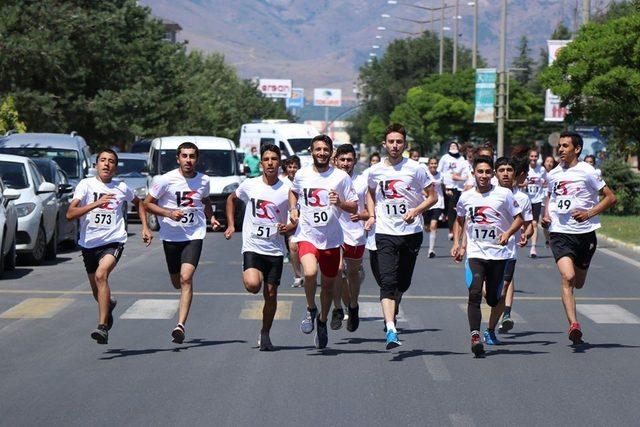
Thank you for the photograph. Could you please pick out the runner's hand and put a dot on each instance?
(282, 228)
(147, 236)
(229, 232)
(334, 199)
(410, 216)
(294, 215)
(503, 239)
(523, 240)
(368, 225)
(580, 216)
(215, 224)
(105, 199)
(176, 215)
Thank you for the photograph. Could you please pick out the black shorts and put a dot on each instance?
(509, 270)
(178, 253)
(487, 272)
(270, 266)
(536, 210)
(396, 258)
(92, 256)
(579, 247)
(431, 215)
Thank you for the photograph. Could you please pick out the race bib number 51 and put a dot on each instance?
(264, 231)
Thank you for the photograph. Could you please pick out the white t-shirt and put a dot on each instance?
(527, 214)
(174, 191)
(398, 189)
(488, 215)
(266, 206)
(319, 221)
(449, 165)
(573, 189)
(437, 182)
(104, 224)
(354, 234)
(536, 184)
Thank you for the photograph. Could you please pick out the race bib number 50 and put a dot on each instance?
(320, 217)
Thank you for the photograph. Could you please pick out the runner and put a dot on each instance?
(414, 154)
(536, 185)
(571, 213)
(512, 173)
(454, 169)
(97, 202)
(264, 232)
(180, 200)
(319, 194)
(493, 216)
(591, 159)
(374, 158)
(292, 167)
(432, 215)
(398, 187)
(348, 284)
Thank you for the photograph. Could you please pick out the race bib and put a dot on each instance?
(189, 217)
(564, 204)
(395, 208)
(102, 218)
(533, 188)
(484, 233)
(320, 217)
(264, 231)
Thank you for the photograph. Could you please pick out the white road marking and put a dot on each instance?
(620, 257)
(461, 420)
(152, 309)
(373, 310)
(608, 313)
(436, 368)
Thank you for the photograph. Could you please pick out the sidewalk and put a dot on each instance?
(618, 243)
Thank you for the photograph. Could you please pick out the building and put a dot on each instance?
(171, 29)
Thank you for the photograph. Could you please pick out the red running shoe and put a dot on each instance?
(575, 334)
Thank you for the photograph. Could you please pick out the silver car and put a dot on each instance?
(37, 208)
(8, 228)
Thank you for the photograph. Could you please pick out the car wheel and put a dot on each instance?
(36, 256)
(10, 258)
(52, 247)
(152, 222)
(1, 252)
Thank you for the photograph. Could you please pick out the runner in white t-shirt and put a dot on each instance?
(98, 201)
(492, 216)
(511, 173)
(535, 186)
(432, 215)
(401, 191)
(319, 195)
(263, 234)
(454, 169)
(180, 200)
(291, 168)
(571, 213)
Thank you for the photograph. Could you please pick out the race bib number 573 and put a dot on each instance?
(102, 218)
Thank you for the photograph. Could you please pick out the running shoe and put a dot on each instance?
(322, 337)
(298, 282)
(306, 326)
(490, 338)
(451, 237)
(112, 305)
(432, 254)
(476, 344)
(392, 340)
(100, 334)
(395, 323)
(337, 316)
(506, 325)
(177, 335)
(354, 319)
(264, 342)
(286, 259)
(533, 254)
(575, 334)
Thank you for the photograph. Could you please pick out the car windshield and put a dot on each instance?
(210, 162)
(14, 175)
(45, 170)
(66, 159)
(131, 168)
(300, 145)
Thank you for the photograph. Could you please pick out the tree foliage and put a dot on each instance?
(9, 119)
(524, 61)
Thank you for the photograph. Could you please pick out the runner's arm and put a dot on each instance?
(208, 213)
(151, 205)
(515, 226)
(294, 210)
(609, 199)
(76, 211)
(230, 210)
(546, 219)
(147, 235)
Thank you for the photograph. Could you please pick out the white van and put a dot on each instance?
(217, 158)
(292, 138)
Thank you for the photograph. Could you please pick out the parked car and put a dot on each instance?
(37, 208)
(67, 230)
(8, 228)
(69, 151)
(141, 146)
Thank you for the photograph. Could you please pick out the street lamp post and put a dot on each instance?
(474, 43)
(454, 66)
(501, 79)
(440, 66)
(586, 11)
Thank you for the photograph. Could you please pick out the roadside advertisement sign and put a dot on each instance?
(325, 97)
(553, 111)
(275, 88)
(297, 98)
(485, 95)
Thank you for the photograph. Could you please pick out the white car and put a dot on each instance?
(37, 208)
(8, 228)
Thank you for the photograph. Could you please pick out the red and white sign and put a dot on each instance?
(325, 97)
(553, 111)
(275, 88)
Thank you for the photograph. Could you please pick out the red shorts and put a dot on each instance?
(352, 252)
(329, 259)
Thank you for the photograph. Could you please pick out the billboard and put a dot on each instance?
(297, 98)
(553, 111)
(325, 97)
(485, 95)
(275, 88)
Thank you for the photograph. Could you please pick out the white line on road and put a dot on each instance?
(151, 309)
(461, 420)
(436, 368)
(608, 313)
(372, 310)
(620, 257)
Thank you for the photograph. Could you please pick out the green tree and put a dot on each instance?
(9, 119)
(524, 61)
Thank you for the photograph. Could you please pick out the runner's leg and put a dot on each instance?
(568, 277)
(433, 229)
(354, 280)
(101, 277)
(310, 267)
(186, 291)
(270, 306)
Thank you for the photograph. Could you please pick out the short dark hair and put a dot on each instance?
(324, 138)
(294, 159)
(415, 150)
(374, 154)
(576, 139)
(270, 147)
(283, 165)
(520, 165)
(107, 150)
(395, 127)
(590, 156)
(482, 159)
(345, 149)
(188, 146)
(504, 161)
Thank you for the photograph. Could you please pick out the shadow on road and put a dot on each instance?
(407, 354)
(416, 331)
(117, 353)
(582, 348)
(16, 274)
(529, 333)
(339, 351)
(513, 352)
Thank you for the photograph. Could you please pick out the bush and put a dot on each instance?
(625, 183)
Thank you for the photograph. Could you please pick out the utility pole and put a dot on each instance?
(454, 67)
(501, 116)
(586, 11)
(440, 70)
(474, 43)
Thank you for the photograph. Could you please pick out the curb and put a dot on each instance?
(619, 243)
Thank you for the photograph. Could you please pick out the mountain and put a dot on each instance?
(322, 43)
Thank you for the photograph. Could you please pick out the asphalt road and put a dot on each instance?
(52, 372)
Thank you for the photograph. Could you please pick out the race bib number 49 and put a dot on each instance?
(394, 209)
(564, 204)
(484, 233)
(102, 218)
